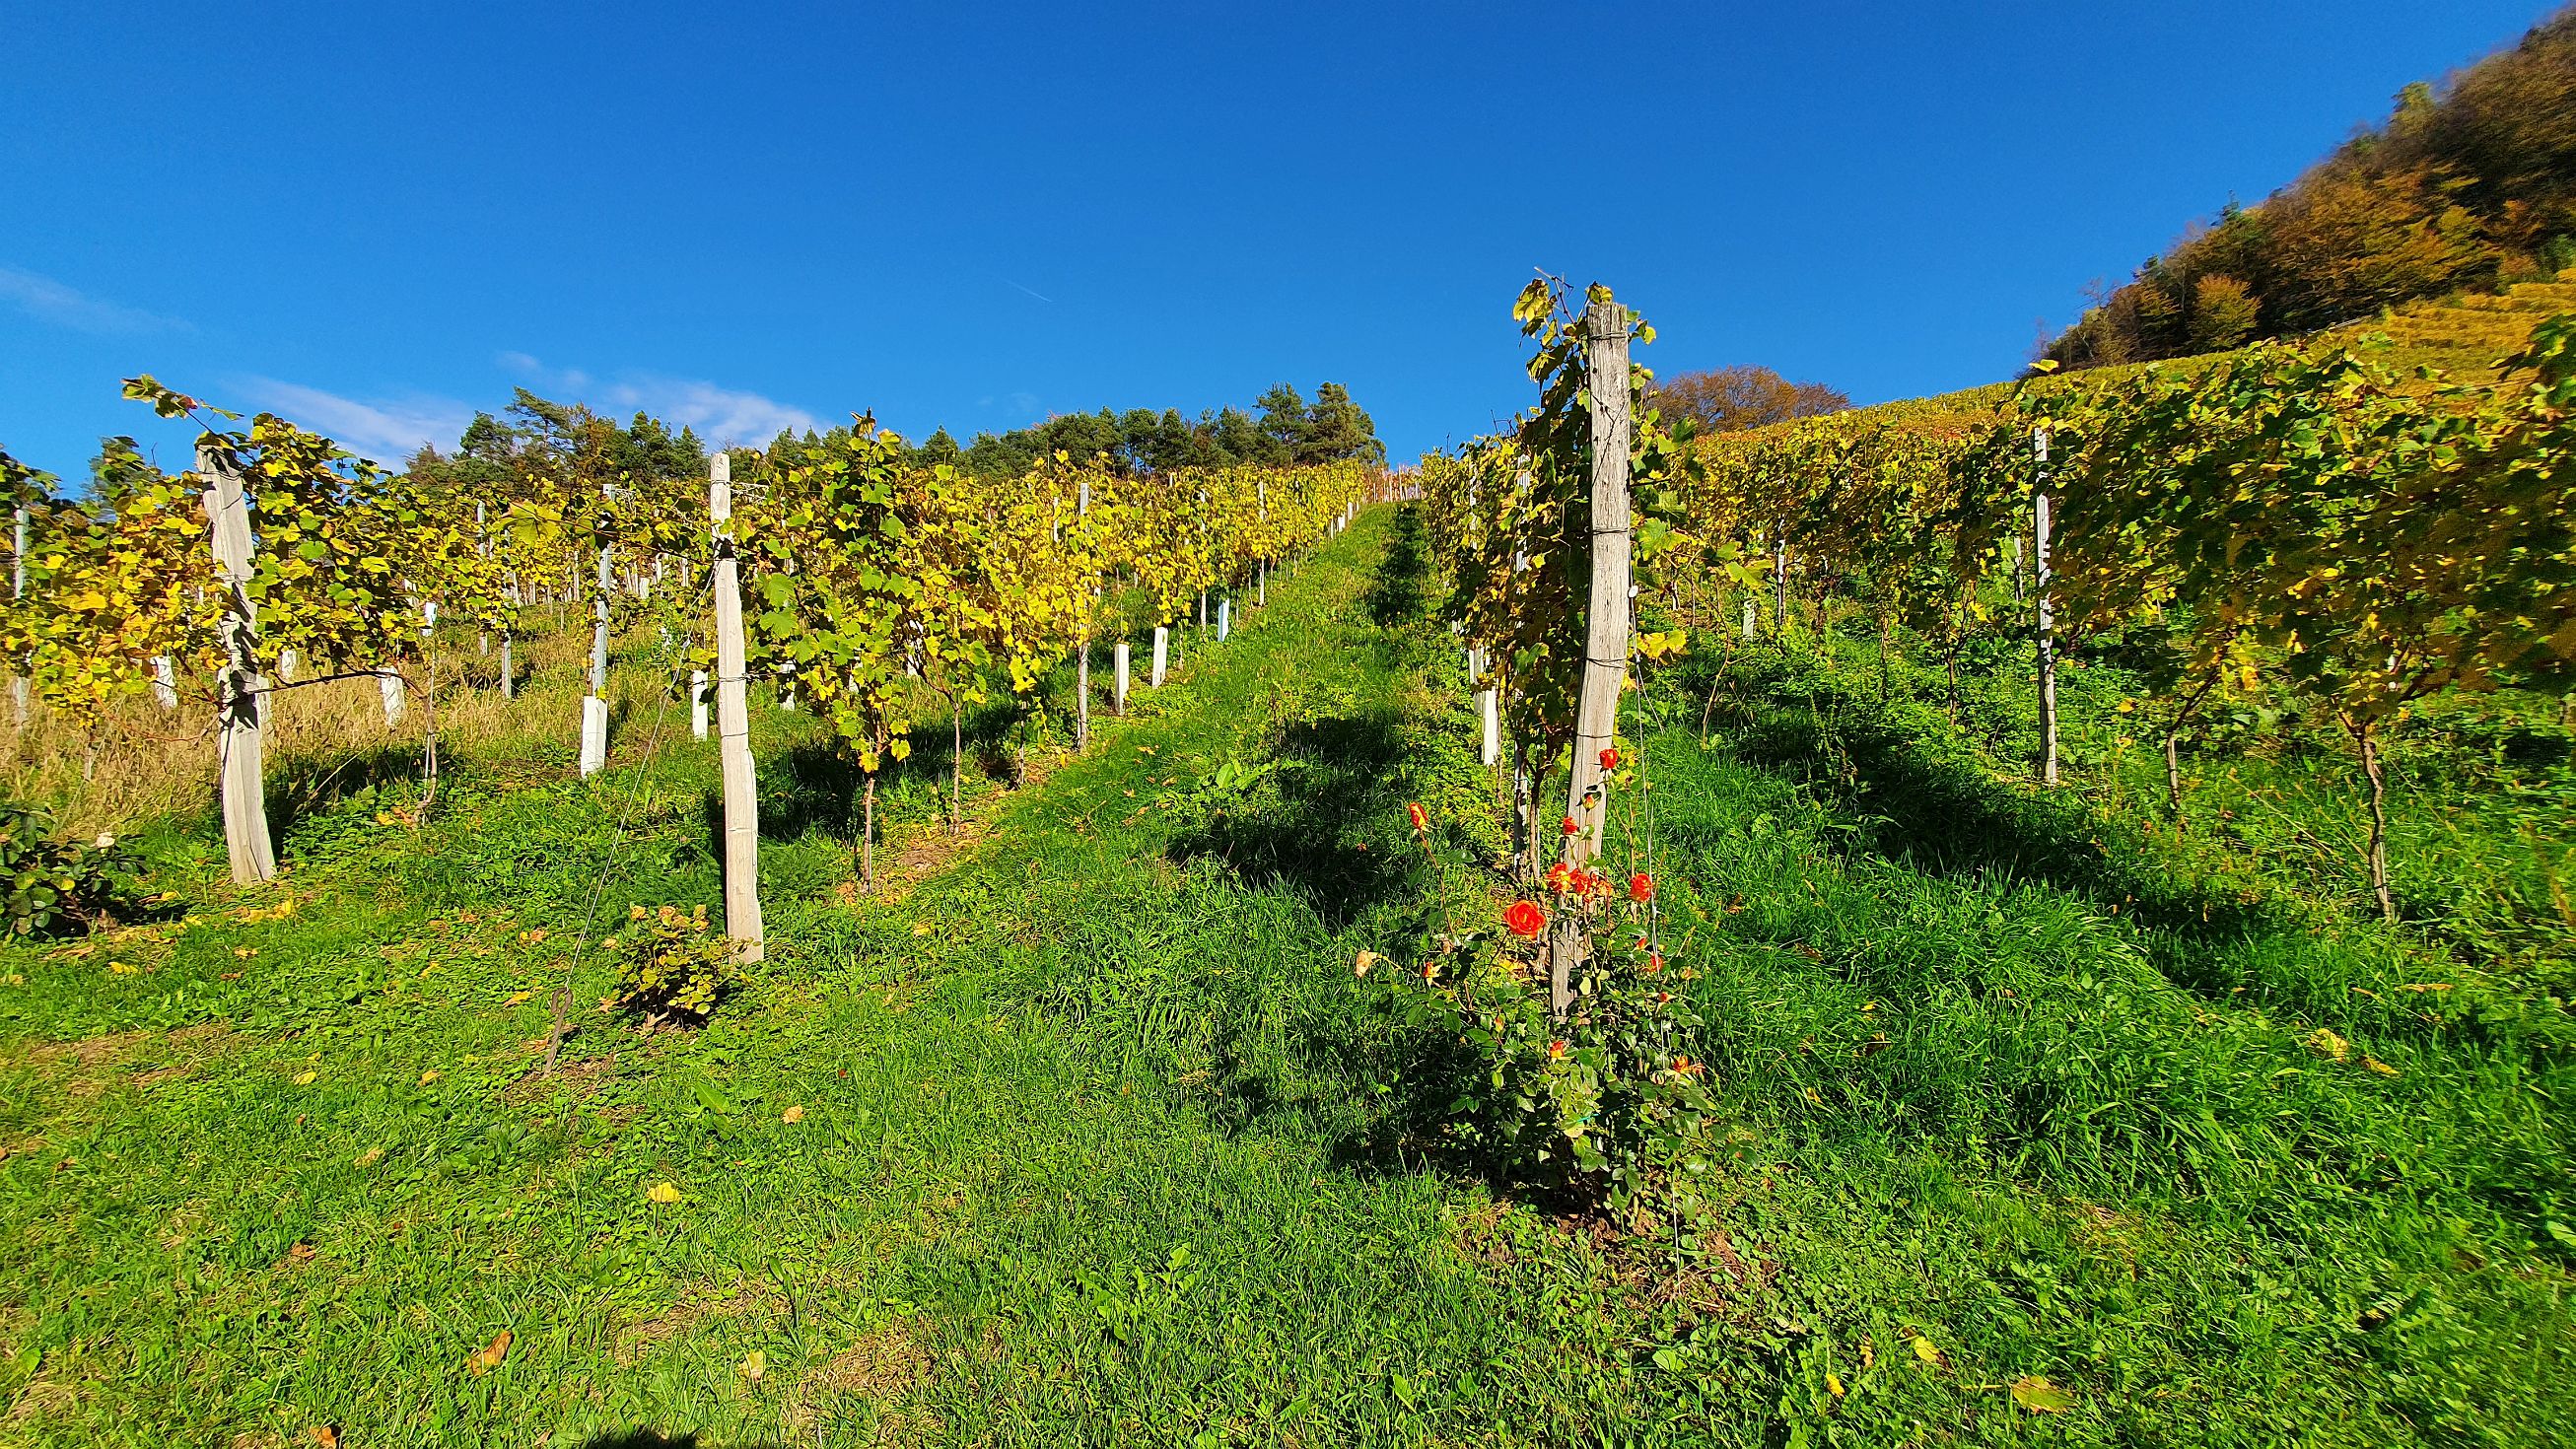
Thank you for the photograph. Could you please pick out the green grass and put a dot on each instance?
(1100, 1143)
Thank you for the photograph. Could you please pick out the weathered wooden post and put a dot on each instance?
(1605, 650)
(1224, 618)
(697, 704)
(1162, 647)
(19, 686)
(1118, 700)
(1082, 650)
(1779, 584)
(165, 681)
(733, 727)
(594, 703)
(237, 681)
(2047, 612)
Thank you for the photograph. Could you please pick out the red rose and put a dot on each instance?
(1641, 887)
(1569, 827)
(1421, 822)
(1609, 759)
(1560, 877)
(1525, 919)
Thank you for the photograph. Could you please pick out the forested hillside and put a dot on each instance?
(2469, 186)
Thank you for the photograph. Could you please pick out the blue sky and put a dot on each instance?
(376, 218)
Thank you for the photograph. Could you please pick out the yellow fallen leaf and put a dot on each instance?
(120, 968)
(2035, 1393)
(244, 953)
(491, 1355)
(792, 1114)
(428, 1077)
(305, 1079)
(1366, 959)
(755, 1364)
(921, 928)
(2328, 1045)
(516, 997)
(371, 1157)
(1834, 1385)
(324, 1436)
(663, 1192)
(1924, 1350)
(2376, 1065)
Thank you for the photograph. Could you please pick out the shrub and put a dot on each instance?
(670, 965)
(1605, 1104)
(49, 883)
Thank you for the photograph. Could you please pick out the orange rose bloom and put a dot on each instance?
(1525, 919)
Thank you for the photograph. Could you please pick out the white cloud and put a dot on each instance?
(722, 416)
(51, 301)
(388, 430)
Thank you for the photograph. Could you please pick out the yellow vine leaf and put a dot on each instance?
(2035, 1393)
(663, 1192)
(490, 1356)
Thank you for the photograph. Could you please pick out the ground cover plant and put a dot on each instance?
(1090, 1132)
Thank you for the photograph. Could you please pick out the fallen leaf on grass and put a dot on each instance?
(2376, 1065)
(663, 1192)
(429, 1076)
(371, 1157)
(515, 997)
(792, 1114)
(491, 1355)
(1927, 1351)
(2035, 1393)
(921, 928)
(324, 1435)
(2328, 1045)
(755, 1365)
(305, 1079)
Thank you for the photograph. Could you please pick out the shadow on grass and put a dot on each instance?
(815, 787)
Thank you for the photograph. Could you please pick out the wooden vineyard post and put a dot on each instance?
(237, 681)
(1118, 699)
(165, 681)
(697, 704)
(2039, 521)
(1224, 618)
(594, 703)
(733, 728)
(1162, 650)
(1779, 585)
(1605, 649)
(1082, 653)
(19, 686)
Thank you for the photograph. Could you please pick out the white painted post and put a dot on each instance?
(1605, 651)
(594, 703)
(1119, 700)
(1162, 638)
(289, 664)
(733, 722)
(1489, 703)
(389, 686)
(1224, 618)
(508, 690)
(2039, 521)
(237, 681)
(165, 681)
(697, 704)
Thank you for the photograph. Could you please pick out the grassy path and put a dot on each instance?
(1083, 1134)
(1074, 1154)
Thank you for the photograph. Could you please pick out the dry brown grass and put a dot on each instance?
(143, 761)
